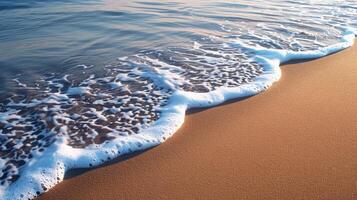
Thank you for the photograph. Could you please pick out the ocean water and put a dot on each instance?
(85, 81)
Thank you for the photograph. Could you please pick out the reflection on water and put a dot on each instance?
(38, 36)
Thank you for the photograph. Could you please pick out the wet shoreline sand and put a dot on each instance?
(298, 140)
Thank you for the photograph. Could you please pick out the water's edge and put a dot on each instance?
(45, 171)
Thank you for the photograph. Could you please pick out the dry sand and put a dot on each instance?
(298, 140)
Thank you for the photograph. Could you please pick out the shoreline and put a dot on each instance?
(294, 141)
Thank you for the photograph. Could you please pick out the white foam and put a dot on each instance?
(77, 91)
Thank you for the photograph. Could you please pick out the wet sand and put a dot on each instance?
(298, 140)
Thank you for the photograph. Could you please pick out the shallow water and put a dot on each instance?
(86, 81)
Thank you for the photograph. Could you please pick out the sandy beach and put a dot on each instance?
(298, 140)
